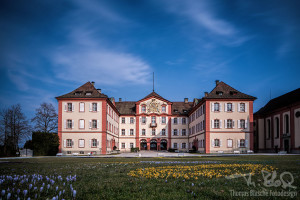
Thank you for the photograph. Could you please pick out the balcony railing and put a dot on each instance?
(153, 124)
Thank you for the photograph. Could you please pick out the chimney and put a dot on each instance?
(99, 90)
(205, 94)
(186, 100)
(120, 99)
(217, 82)
(93, 83)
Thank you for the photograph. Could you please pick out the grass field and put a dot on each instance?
(150, 178)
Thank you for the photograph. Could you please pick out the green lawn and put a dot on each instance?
(110, 178)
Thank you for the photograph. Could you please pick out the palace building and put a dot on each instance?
(90, 121)
(277, 124)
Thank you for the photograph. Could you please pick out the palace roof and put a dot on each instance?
(287, 99)
(224, 91)
(87, 90)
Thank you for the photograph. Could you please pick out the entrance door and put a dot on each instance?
(163, 145)
(143, 145)
(286, 146)
(153, 145)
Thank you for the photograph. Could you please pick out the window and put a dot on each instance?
(153, 119)
(69, 143)
(216, 123)
(242, 143)
(81, 107)
(81, 152)
(163, 120)
(163, 132)
(153, 131)
(143, 120)
(81, 143)
(81, 123)
(217, 142)
(216, 107)
(70, 107)
(123, 120)
(131, 120)
(69, 152)
(131, 145)
(69, 123)
(183, 120)
(269, 128)
(175, 120)
(229, 107)
(175, 145)
(229, 123)
(183, 145)
(163, 109)
(143, 108)
(229, 143)
(94, 123)
(286, 121)
(143, 132)
(94, 107)
(123, 131)
(242, 123)
(184, 132)
(94, 142)
(131, 131)
(175, 132)
(277, 127)
(242, 107)
(123, 146)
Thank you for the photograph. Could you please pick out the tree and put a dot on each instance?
(45, 118)
(45, 144)
(14, 128)
(28, 145)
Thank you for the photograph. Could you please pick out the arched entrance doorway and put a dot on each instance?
(163, 145)
(143, 145)
(153, 145)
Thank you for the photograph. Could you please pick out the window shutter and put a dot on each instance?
(212, 107)
(246, 109)
(180, 120)
(246, 124)
(225, 122)
(212, 124)
(98, 107)
(98, 126)
(90, 107)
(212, 143)
(72, 123)
(65, 143)
(239, 107)
(220, 108)
(220, 142)
(239, 123)
(225, 107)
(140, 120)
(72, 143)
(246, 143)
(97, 143)
(90, 144)
(73, 107)
(90, 123)
(65, 124)
(65, 107)
(238, 143)
(232, 107)
(233, 123)
(220, 123)
(160, 120)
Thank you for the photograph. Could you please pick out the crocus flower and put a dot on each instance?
(25, 192)
(41, 189)
(8, 195)
(30, 186)
(3, 192)
(74, 193)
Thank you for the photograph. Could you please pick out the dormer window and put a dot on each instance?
(219, 93)
(77, 93)
(88, 93)
(233, 93)
(175, 110)
(185, 111)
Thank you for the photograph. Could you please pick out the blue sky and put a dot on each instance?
(49, 48)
